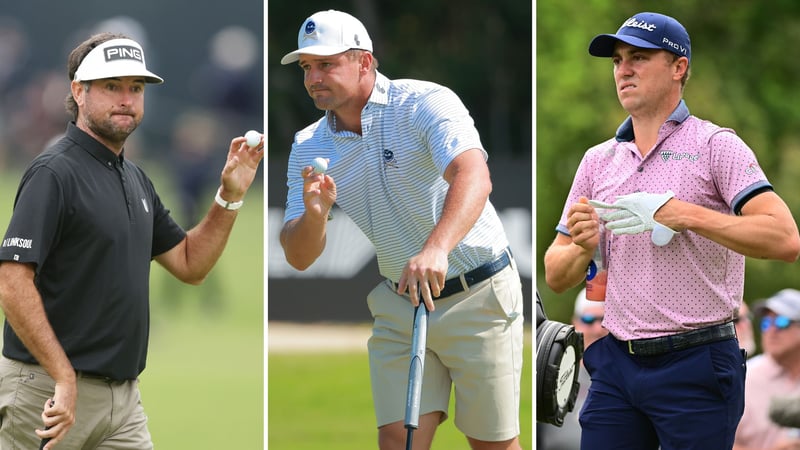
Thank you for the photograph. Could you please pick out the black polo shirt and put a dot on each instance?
(91, 222)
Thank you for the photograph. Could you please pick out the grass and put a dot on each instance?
(324, 401)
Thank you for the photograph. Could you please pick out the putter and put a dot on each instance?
(46, 440)
(419, 334)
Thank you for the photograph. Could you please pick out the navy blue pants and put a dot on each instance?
(683, 400)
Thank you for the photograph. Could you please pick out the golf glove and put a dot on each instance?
(633, 214)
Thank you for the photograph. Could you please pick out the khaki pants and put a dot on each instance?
(109, 414)
(474, 342)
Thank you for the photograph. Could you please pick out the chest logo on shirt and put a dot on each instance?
(667, 155)
(146, 208)
(388, 158)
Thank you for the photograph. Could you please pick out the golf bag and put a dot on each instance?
(559, 349)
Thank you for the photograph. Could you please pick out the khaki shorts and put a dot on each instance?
(474, 342)
(109, 414)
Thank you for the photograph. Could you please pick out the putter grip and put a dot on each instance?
(46, 440)
(418, 343)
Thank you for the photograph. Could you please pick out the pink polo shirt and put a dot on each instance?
(692, 282)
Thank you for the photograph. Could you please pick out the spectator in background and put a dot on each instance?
(774, 375)
(194, 161)
(587, 318)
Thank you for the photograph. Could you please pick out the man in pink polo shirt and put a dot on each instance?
(682, 202)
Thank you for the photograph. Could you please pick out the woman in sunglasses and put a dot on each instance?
(776, 374)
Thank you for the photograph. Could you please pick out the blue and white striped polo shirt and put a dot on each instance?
(389, 179)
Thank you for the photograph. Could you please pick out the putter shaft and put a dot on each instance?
(418, 342)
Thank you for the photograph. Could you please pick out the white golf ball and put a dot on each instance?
(320, 165)
(661, 235)
(253, 138)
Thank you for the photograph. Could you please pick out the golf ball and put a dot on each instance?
(320, 165)
(253, 138)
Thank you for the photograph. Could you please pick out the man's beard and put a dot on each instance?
(109, 131)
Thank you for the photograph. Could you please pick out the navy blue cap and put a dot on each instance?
(646, 30)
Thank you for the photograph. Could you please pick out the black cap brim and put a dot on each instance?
(603, 45)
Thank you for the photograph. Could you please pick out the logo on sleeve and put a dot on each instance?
(752, 168)
(18, 242)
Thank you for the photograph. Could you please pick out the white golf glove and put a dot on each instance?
(633, 214)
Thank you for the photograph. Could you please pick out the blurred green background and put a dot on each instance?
(743, 76)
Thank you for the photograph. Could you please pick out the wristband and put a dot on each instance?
(230, 206)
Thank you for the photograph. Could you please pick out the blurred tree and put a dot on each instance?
(743, 72)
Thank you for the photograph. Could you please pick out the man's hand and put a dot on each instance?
(634, 214)
(58, 414)
(423, 276)
(319, 193)
(583, 225)
(240, 168)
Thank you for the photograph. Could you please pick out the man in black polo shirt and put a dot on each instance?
(75, 260)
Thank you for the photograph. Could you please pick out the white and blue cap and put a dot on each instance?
(115, 58)
(328, 33)
(646, 30)
(784, 303)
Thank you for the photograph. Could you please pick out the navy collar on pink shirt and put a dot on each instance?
(625, 131)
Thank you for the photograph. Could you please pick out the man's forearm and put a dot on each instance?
(25, 312)
(470, 186)
(565, 264)
(303, 240)
(206, 241)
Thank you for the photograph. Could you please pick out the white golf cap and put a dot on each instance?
(115, 58)
(328, 33)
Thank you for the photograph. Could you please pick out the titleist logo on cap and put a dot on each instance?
(633, 23)
(123, 52)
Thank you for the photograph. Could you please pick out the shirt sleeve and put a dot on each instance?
(35, 223)
(446, 126)
(735, 169)
(166, 232)
(581, 187)
(294, 182)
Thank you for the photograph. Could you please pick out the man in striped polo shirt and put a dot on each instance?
(406, 164)
(683, 202)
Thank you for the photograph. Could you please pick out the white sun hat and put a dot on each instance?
(115, 58)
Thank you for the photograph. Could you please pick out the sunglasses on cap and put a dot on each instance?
(780, 322)
(589, 319)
